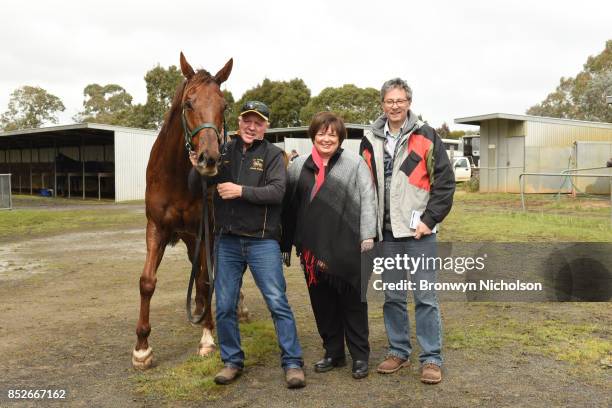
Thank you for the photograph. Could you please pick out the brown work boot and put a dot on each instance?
(431, 373)
(227, 375)
(295, 378)
(392, 364)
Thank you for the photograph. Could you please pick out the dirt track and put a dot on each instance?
(70, 303)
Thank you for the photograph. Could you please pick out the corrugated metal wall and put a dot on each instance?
(550, 134)
(132, 151)
(589, 155)
(549, 149)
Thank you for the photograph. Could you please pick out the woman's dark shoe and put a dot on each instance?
(360, 369)
(328, 363)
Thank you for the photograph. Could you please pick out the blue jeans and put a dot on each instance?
(232, 255)
(427, 311)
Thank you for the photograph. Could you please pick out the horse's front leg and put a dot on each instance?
(203, 303)
(142, 355)
(243, 311)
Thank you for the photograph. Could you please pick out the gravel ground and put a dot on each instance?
(70, 305)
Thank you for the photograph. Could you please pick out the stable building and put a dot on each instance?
(85, 160)
(515, 144)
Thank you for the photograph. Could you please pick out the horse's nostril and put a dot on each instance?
(201, 159)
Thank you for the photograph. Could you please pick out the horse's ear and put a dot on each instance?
(188, 72)
(224, 73)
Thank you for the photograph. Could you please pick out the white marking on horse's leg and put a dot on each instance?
(243, 311)
(142, 359)
(207, 343)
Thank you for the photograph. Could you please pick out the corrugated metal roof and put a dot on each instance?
(476, 120)
(77, 126)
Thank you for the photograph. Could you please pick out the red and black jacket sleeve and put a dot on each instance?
(443, 181)
(367, 152)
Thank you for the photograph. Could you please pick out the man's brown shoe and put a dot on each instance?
(227, 375)
(392, 364)
(431, 374)
(295, 378)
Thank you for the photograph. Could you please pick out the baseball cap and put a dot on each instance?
(257, 107)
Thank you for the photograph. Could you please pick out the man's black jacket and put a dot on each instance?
(261, 172)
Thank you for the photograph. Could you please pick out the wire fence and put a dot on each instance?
(565, 174)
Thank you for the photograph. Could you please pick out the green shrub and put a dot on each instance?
(473, 185)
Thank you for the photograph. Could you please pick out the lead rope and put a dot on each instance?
(195, 264)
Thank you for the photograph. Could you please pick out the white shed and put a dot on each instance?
(85, 160)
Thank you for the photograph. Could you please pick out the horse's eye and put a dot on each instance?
(187, 105)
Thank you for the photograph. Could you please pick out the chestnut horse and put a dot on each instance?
(173, 213)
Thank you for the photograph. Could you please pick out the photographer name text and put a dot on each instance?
(489, 284)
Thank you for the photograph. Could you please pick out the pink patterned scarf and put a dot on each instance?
(320, 176)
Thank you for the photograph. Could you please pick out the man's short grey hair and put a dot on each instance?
(395, 83)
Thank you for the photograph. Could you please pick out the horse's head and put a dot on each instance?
(203, 107)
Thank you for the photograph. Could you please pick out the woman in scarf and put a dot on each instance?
(330, 217)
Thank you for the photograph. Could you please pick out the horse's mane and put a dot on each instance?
(201, 77)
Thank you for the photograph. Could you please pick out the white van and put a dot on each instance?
(462, 168)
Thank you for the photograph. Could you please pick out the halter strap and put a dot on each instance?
(189, 134)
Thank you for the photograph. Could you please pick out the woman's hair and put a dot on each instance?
(325, 120)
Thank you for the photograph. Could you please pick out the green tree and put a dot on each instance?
(353, 104)
(581, 97)
(593, 99)
(139, 117)
(285, 100)
(456, 134)
(229, 112)
(30, 107)
(443, 131)
(109, 104)
(161, 87)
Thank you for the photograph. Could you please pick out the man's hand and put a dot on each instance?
(421, 229)
(229, 191)
(193, 158)
(367, 244)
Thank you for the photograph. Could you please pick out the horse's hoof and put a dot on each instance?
(244, 316)
(205, 350)
(142, 359)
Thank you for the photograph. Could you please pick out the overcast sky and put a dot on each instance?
(462, 58)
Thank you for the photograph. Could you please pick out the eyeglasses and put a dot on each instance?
(399, 102)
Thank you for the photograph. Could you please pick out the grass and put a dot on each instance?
(30, 223)
(584, 344)
(498, 217)
(193, 379)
